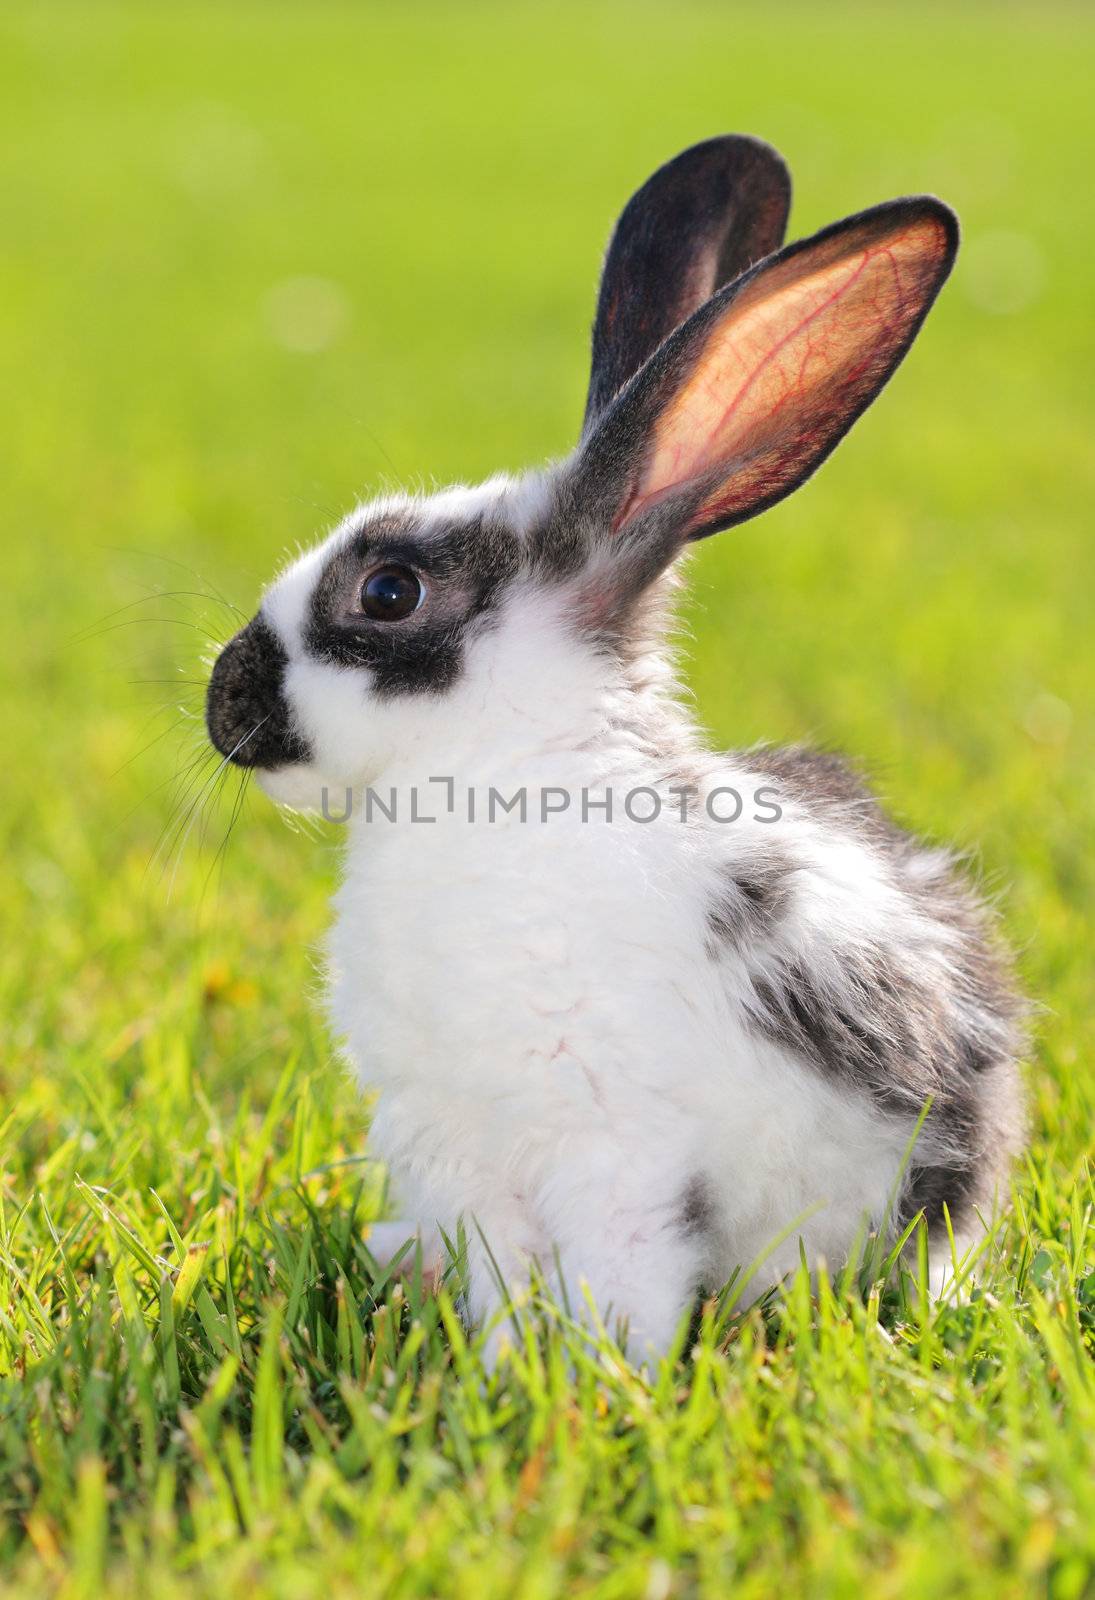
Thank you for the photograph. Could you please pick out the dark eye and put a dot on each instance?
(391, 593)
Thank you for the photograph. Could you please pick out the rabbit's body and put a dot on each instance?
(635, 1051)
(607, 1101)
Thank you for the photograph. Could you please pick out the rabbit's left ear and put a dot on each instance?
(738, 406)
(698, 223)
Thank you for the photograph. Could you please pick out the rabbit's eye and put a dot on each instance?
(391, 593)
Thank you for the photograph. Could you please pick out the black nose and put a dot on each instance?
(245, 707)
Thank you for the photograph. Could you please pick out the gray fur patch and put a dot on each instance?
(696, 1208)
(751, 898)
(829, 786)
(929, 1188)
(902, 1044)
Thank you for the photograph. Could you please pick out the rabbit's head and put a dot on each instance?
(725, 369)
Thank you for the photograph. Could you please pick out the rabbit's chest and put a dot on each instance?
(537, 976)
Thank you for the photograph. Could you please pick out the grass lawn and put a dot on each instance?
(260, 260)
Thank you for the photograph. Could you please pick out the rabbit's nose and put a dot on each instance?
(246, 711)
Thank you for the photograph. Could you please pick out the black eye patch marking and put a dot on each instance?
(464, 567)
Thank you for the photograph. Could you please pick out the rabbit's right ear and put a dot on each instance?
(697, 224)
(737, 407)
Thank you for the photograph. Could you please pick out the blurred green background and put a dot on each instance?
(258, 261)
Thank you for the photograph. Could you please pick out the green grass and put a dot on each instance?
(207, 1388)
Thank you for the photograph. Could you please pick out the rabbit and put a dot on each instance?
(635, 1013)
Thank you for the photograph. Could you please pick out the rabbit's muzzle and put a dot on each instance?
(246, 711)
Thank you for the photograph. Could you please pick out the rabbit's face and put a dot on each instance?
(416, 627)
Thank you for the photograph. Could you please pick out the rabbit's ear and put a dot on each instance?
(741, 404)
(698, 223)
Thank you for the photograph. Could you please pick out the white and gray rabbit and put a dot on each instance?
(632, 1009)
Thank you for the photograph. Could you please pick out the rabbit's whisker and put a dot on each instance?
(185, 780)
(222, 849)
(208, 592)
(191, 814)
(136, 622)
